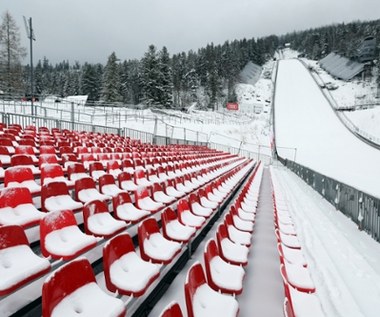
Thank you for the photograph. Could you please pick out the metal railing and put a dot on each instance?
(360, 207)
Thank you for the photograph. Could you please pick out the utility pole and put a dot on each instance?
(31, 37)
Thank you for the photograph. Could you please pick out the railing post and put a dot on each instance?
(72, 116)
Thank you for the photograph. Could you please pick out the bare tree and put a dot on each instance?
(11, 54)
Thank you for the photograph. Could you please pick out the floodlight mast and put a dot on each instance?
(31, 37)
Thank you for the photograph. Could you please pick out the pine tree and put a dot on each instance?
(165, 79)
(111, 80)
(150, 77)
(89, 82)
(11, 53)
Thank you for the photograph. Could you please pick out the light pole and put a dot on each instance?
(31, 37)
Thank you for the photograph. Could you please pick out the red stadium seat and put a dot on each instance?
(76, 171)
(238, 223)
(197, 209)
(125, 210)
(124, 271)
(21, 177)
(236, 235)
(55, 197)
(172, 310)
(153, 246)
(96, 170)
(72, 290)
(174, 230)
(85, 191)
(22, 160)
(54, 173)
(108, 187)
(186, 217)
(126, 181)
(113, 168)
(160, 196)
(145, 202)
(61, 237)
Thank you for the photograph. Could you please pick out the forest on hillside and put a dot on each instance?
(206, 76)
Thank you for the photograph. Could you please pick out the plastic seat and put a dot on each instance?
(181, 187)
(145, 202)
(246, 216)
(5, 155)
(27, 150)
(87, 159)
(76, 171)
(126, 181)
(21, 160)
(54, 173)
(8, 144)
(288, 240)
(236, 235)
(99, 222)
(85, 191)
(160, 196)
(238, 223)
(19, 265)
(96, 170)
(108, 187)
(141, 179)
(173, 229)
(61, 237)
(125, 210)
(229, 251)
(55, 197)
(124, 270)
(170, 190)
(294, 256)
(113, 168)
(221, 275)
(298, 277)
(153, 245)
(197, 209)
(186, 217)
(21, 177)
(172, 310)
(72, 290)
(128, 166)
(47, 159)
(202, 300)
(218, 198)
(16, 208)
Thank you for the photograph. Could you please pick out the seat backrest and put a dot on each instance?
(91, 208)
(47, 159)
(166, 216)
(120, 199)
(124, 176)
(157, 187)
(96, 166)
(24, 149)
(52, 189)
(65, 149)
(51, 171)
(145, 229)
(84, 183)
(182, 206)
(75, 169)
(125, 163)
(21, 159)
(5, 141)
(65, 281)
(17, 174)
(139, 174)
(106, 179)
(172, 310)
(11, 236)
(221, 234)
(114, 250)
(141, 193)
(193, 198)
(194, 279)
(112, 165)
(228, 220)
(12, 197)
(211, 251)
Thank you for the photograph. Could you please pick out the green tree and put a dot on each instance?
(111, 80)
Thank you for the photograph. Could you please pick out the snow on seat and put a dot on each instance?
(236, 235)
(72, 291)
(216, 197)
(27, 150)
(55, 197)
(173, 229)
(76, 171)
(283, 218)
(197, 209)
(113, 168)
(5, 155)
(294, 256)
(287, 229)
(21, 160)
(205, 202)
(128, 166)
(301, 304)
(247, 216)
(140, 178)
(96, 170)
(153, 246)
(188, 183)
(221, 275)
(16, 208)
(124, 270)
(47, 159)
(186, 217)
(248, 207)
(108, 187)
(126, 181)
(231, 252)
(181, 187)
(54, 173)
(61, 237)
(85, 191)
(238, 223)
(21, 177)
(145, 202)
(99, 222)
(171, 191)
(18, 264)
(288, 240)
(125, 210)
(172, 310)
(202, 300)
(160, 196)
(298, 277)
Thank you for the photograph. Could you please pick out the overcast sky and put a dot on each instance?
(90, 30)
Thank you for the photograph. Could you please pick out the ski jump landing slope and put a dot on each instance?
(305, 120)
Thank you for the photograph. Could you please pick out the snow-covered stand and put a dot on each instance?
(125, 210)
(221, 275)
(173, 229)
(55, 196)
(85, 191)
(107, 186)
(76, 171)
(18, 264)
(72, 290)
(17, 208)
(61, 237)
(21, 177)
(153, 245)
(99, 222)
(236, 235)
(124, 270)
(172, 310)
(202, 300)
